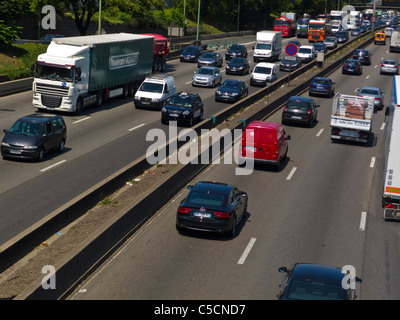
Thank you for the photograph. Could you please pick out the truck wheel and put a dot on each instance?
(163, 65)
(125, 92)
(131, 89)
(79, 106)
(99, 101)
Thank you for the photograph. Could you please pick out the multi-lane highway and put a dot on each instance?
(322, 207)
(99, 143)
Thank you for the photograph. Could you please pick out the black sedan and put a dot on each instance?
(238, 66)
(191, 53)
(363, 55)
(212, 59)
(212, 206)
(236, 50)
(306, 281)
(32, 136)
(232, 91)
(352, 66)
(356, 32)
(290, 63)
(300, 109)
(342, 36)
(184, 108)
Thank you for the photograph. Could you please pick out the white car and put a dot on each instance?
(263, 72)
(306, 53)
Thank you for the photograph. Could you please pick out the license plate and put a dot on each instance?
(250, 148)
(350, 70)
(15, 151)
(202, 215)
(173, 115)
(145, 102)
(295, 117)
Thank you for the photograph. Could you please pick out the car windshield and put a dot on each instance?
(209, 55)
(206, 199)
(324, 82)
(28, 128)
(190, 49)
(264, 70)
(319, 45)
(369, 91)
(314, 290)
(330, 39)
(237, 60)
(304, 50)
(231, 85)
(235, 47)
(263, 46)
(342, 34)
(205, 71)
(180, 101)
(298, 104)
(151, 87)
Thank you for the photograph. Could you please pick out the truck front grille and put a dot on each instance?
(50, 89)
(51, 101)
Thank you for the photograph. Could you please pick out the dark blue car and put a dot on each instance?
(231, 91)
(352, 66)
(306, 281)
(191, 54)
(321, 86)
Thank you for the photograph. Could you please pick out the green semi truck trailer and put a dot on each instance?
(76, 72)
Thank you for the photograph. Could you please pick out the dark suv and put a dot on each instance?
(32, 136)
(236, 50)
(363, 56)
(183, 107)
(301, 110)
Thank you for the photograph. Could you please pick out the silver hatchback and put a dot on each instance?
(207, 76)
(390, 66)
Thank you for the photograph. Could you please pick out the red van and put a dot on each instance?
(269, 143)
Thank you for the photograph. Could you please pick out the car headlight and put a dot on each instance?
(240, 68)
(155, 99)
(5, 144)
(234, 94)
(30, 147)
(164, 109)
(219, 92)
(185, 113)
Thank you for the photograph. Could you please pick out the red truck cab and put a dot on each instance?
(285, 25)
(160, 50)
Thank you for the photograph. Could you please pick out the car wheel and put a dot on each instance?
(190, 122)
(40, 155)
(61, 146)
(232, 232)
(200, 118)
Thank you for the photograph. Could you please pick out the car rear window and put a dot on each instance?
(206, 199)
(298, 104)
(324, 82)
(312, 290)
(369, 91)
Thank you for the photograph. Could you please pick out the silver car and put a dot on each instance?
(377, 93)
(207, 76)
(211, 59)
(331, 42)
(389, 66)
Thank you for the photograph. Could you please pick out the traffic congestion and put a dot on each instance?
(297, 214)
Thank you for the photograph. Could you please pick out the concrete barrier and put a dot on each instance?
(96, 248)
(11, 87)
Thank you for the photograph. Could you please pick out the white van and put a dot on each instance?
(154, 90)
(263, 72)
(306, 53)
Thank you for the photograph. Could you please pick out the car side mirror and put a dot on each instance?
(282, 269)
(317, 105)
(288, 137)
(190, 187)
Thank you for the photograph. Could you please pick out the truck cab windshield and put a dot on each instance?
(282, 23)
(54, 73)
(263, 46)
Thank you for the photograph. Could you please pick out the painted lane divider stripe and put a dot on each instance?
(372, 164)
(291, 173)
(52, 166)
(363, 220)
(247, 251)
(140, 125)
(80, 120)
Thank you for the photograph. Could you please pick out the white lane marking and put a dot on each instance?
(367, 77)
(81, 120)
(383, 126)
(319, 132)
(363, 220)
(52, 166)
(247, 251)
(188, 82)
(376, 66)
(371, 165)
(356, 89)
(291, 173)
(140, 125)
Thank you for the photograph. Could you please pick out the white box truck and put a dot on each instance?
(76, 72)
(268, 46)
(391, 185)
(351, 118)
(395, 42)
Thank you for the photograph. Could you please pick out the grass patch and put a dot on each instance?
(16, 62)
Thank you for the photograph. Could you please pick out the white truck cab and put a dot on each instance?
(306, 53)
(263, 72)
(154, 90)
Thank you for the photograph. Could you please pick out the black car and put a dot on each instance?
(49, 37)
(184, 108)
(238, 66)
(191, 53)
(301, 110)
(212, 59)
(342, 36)
(290, 63)
(321, 86)
(307, 281)
(32, 136)
(320, 47)
(232, 91)
(363, 56)
(236, 50)
(356, 32)
(352, 66)
(295, 42)
(212, 206)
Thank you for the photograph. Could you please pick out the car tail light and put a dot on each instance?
(390, 206)
(335, 131)
(309, 111)
(379, 99)
(221, 214)
(357, 67)
(363, 135)
(395, 66)
(382, 65)
(285, 109)
(184, 210)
